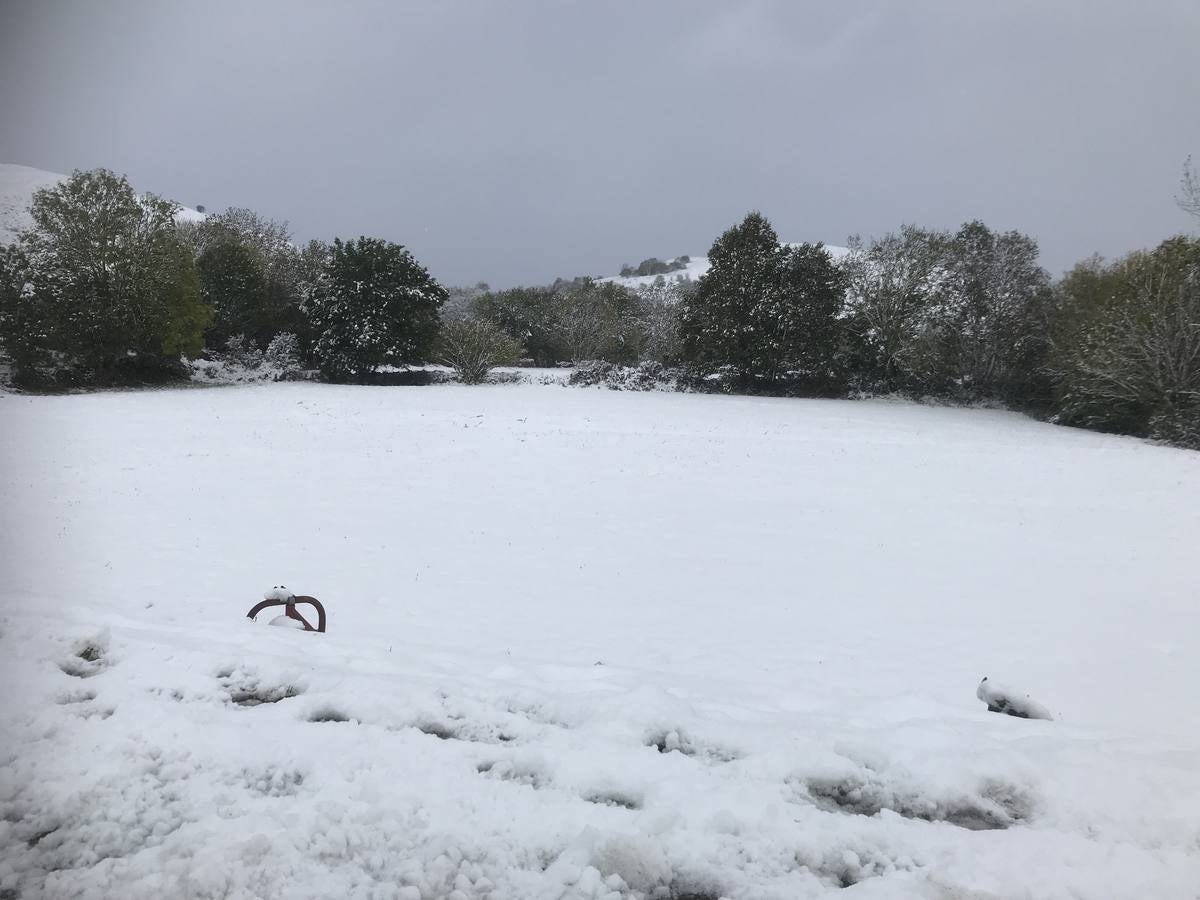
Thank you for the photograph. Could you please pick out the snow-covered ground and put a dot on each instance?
(695, 269)
(590, 644)
(17, 187)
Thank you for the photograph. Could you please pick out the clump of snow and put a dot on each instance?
(278, 592)
(1011, 702)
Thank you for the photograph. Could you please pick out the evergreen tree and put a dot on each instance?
(767, 312)
(374, 304)
(101, 280)
(718, 322)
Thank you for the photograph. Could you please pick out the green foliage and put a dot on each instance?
(472, 347)
(530, 316)
(234, 283)
(765, 311)
(1126, 343)
(100, 279)
(373, 305)
(252, 275)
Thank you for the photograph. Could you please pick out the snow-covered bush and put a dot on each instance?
(649, 376)
(243, 363)
(472, 347)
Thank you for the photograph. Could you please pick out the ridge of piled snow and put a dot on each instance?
(590, 645)
(17, 187)
(694, 269)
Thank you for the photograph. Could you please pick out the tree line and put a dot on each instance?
(107, 286)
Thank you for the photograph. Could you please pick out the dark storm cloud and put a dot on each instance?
(517, 141)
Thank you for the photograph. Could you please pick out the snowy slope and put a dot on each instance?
(588, 644)
(17, 186)
(695, 269)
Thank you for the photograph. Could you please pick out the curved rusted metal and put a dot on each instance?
(291, 612)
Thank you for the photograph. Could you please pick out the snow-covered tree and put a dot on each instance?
(659, 307)
(1189, 190)
(895, 301)
(765, 311)
(251, 273)
(374, 304)
(599, 320)
(994, 332)
(101, 281)
(1126, 353)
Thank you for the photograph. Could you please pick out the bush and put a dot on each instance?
(241, 362)
(472, 347)
(649, 376)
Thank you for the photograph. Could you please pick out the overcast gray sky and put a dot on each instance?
(513, 142)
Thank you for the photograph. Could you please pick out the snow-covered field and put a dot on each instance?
(590, 644)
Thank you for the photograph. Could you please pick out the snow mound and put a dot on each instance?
(17, 187)
(1011, 702)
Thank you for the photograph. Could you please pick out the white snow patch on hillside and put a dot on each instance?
(695, 268)
(17, 187)
(587, 644)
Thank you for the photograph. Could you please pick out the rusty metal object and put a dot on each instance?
(291, 612)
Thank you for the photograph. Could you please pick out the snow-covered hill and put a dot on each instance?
(693, 270)
(17, 186)
(590, 645)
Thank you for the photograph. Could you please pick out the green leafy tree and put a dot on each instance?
(234, 283)
(252, 274)
(102, 280)
(374, 304)
(529, 315)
